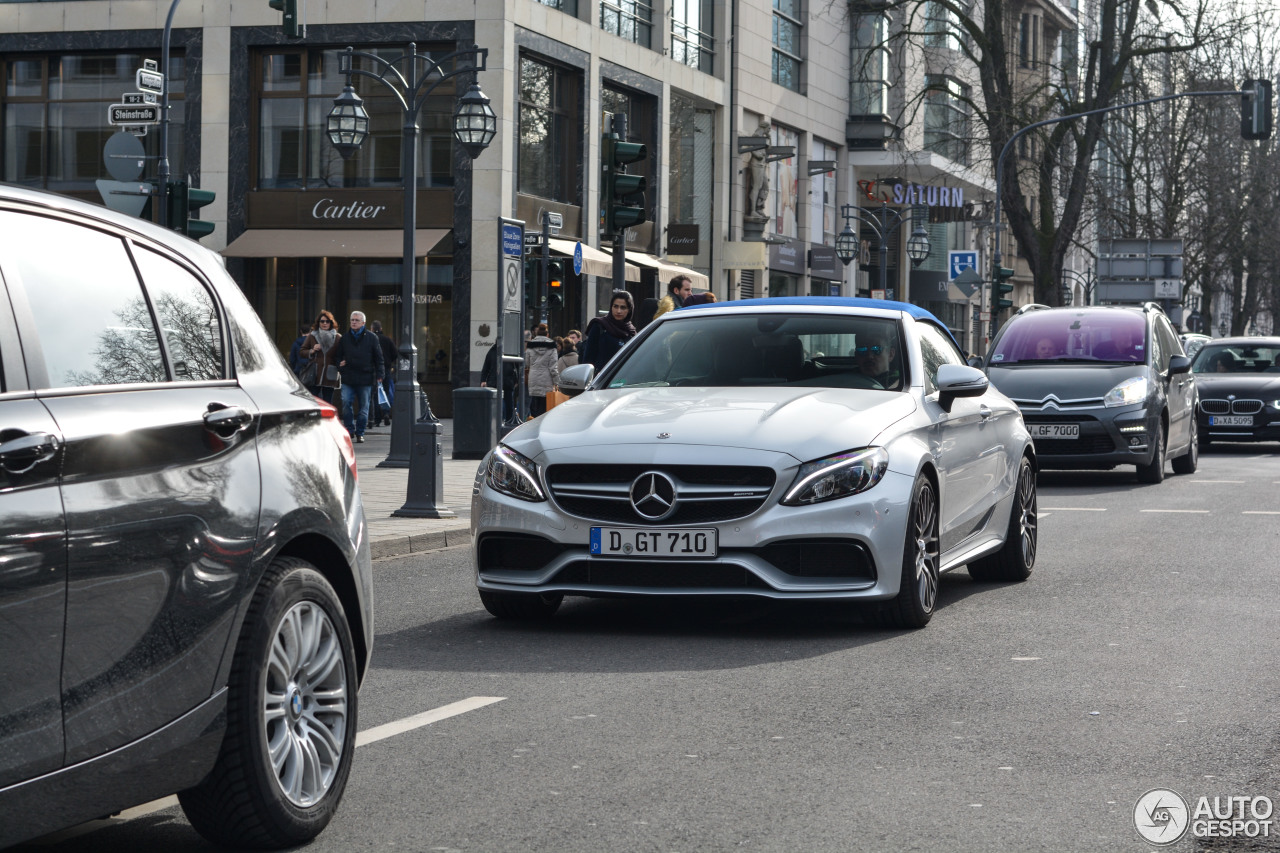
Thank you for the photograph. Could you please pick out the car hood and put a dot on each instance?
(1253, 385)
(806, 423)
(1065, 381)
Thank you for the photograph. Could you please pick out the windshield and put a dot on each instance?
(814, 350)
(1220, 358)
(1044, 337)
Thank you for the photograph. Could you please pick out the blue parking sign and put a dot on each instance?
(958, 262)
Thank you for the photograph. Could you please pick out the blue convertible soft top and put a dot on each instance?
(835, 302)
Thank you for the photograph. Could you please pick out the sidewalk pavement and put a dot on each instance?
(384, 491)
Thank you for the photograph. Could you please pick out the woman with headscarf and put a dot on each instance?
(606, 334)
(321, 348)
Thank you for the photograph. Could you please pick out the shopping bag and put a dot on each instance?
(555, 398)
(383, 402)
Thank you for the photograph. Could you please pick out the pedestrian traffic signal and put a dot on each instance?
(622, 195)
(289, 8)
(185, 200)
(1255, 109)
(1004, 287)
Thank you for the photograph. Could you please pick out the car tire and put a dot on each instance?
(1189, 461)
(521, 606)
(918, 592)
(1153, 471)
(291, 703)
(1017, 557)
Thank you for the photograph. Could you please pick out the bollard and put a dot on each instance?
(425, 493)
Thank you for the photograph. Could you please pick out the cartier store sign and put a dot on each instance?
(346, 208)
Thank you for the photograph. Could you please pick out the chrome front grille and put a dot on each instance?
(1051, 404)
(704, 493)
(1231, 407)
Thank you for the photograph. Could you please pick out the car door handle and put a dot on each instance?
(225, 421)
(984, 412)
(26, 452)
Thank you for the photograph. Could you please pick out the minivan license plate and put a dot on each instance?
(1054, 430)
(653, 542)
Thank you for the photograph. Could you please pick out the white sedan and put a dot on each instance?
(801, 448)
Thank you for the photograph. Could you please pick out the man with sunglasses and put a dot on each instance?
(874, 356)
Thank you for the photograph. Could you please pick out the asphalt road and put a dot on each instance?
(1028, 717)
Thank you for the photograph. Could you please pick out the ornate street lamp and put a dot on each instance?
(474, 126)
(348, 122)
(847, 243)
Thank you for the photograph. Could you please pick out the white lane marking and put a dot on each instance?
(1024, 658)
(1189, 511)
(426, 718)
(1233, 482)
(1075, 508)
(1259, 512)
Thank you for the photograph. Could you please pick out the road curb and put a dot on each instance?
(400, 546)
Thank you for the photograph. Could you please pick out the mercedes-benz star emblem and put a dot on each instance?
(653, 496)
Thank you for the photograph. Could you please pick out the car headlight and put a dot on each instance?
(837, 476)
(1275, 404)
(512, 474)
(1128, 392)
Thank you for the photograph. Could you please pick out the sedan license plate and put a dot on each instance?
(1231, 420)
(1054, 430)
(650, 542)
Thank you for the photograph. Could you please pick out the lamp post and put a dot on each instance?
(1086, 280)
(474, 126)
(890, 219)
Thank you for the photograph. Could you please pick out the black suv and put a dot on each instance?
(185, 585)
(1100, 386)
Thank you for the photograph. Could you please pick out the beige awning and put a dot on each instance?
(594, 261)
(330, 243)
(667, 270)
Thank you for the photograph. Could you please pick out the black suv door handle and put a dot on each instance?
(225, 421)
(26, 452)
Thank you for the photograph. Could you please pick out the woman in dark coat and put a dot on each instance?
(607, 334)
(321, 348)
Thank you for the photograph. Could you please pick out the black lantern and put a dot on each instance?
(474, 124)
(846, 245)
(918, 245)
(348, 123)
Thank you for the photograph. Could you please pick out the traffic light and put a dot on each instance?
(1004, 287)
(622, 195)
(289, 8)
(185, 200)
(1255, 109)
(555, 274)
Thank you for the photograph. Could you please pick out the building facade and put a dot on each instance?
(303, 229)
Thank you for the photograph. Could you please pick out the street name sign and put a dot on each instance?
(149, 81)
(133, 114)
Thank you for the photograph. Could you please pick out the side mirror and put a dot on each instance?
(574, 380)
(957, 380)
(1179, 364)
(975, 361)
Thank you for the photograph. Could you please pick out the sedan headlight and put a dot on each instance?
(1128, 392)
(837, 476)
(512, 474)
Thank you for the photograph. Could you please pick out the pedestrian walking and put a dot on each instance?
(607, 333)
(510, 379)
(699, 299)
(540, 362)
(389, 357)
(568, 357)
(360, 360)
(679, 289)
(321, 349)
(297, 358)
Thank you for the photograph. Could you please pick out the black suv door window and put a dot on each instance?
(94, 324)
(189, 319)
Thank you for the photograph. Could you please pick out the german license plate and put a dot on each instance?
(1231, 420)
(1054, 430)
(653, 542)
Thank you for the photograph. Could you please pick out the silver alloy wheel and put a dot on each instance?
(1027, 522)
(304, 703)
(925, 534)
